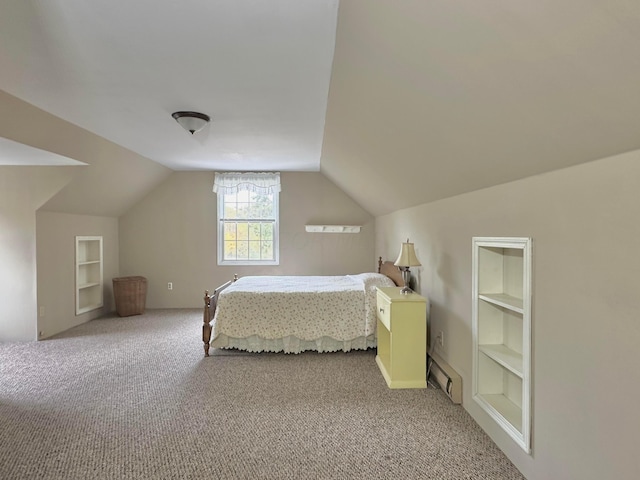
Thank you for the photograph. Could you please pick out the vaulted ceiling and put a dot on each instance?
(260, 70)
(433, 99)
(399, 102)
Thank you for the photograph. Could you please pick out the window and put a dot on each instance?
(247, 218)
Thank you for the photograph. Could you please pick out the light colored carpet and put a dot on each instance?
(128, 398)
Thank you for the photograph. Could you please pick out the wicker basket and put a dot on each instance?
(130, 295)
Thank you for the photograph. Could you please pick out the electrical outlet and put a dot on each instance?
(440, 339)
(41, 310)
(170, 286)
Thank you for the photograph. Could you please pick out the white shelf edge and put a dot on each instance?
(504, 411)
(88, 262)
(503, 300)
(88, 285)
(332, 228)
(88, 308)
(508, 358)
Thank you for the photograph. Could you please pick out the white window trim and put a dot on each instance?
(220, 235)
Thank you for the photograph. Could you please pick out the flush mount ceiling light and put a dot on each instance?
(191, 121)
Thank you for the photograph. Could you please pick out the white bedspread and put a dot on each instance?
(297, 313)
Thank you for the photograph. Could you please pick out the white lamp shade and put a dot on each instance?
(407, 257)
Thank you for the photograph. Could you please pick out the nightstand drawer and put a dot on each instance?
(384, 311)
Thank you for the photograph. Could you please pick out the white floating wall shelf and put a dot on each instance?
(332, 228)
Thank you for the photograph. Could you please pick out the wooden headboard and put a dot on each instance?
(391, 271)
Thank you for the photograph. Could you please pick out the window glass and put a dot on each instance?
(247, 228)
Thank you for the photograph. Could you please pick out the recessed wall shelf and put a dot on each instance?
(502, 333)
(332, 228)
(88, 274)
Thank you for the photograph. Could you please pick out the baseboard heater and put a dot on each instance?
(445, 377)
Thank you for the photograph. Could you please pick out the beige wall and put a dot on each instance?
(22, 191)
(113, 179)
(586, 331)
(37, 252)
(55, 242)
(170, 236)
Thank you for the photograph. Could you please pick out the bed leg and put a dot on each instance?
(206, 335)
(206, 326)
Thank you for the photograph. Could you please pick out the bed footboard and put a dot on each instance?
(210, 302)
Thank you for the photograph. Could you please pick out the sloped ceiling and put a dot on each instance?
(433, 99)
(423, 100)
(259, 69)
(104, 178)
(19, 154)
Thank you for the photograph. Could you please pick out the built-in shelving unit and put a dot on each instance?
(89, 282)
(332, 228)
(502, 333)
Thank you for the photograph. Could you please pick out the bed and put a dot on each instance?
(293, 314)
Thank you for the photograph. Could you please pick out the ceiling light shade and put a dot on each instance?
(191, 121)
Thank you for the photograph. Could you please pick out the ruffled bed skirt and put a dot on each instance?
(293, 344)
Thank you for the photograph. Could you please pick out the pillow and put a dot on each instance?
(372, 280)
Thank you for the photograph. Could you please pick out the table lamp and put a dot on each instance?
(406, 259)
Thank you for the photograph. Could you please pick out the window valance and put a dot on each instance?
(262, 183)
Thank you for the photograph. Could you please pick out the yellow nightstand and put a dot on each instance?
(402, 338)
